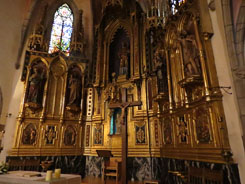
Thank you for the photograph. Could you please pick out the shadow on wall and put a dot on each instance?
(1, 102)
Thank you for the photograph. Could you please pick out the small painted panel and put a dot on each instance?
(70, 136)
(140, 133)
(29, 135)
(98, 135)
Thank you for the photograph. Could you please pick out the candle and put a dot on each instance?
(48, 175)
(57, 173)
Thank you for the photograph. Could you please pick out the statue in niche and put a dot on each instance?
(160, 68)
(190, 51)
(123, 58)
(74, 89)
(36, 86)
(29, 135)
(115, 123)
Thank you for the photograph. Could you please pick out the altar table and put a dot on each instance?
(19, 177)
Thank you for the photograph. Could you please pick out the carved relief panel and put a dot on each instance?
(167, 130)
(98, 134)
(70, 135)
(50, 135)
(29, 134)
(202, 122)
(183, 129)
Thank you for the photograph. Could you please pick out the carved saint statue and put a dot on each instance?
(35, 86)
(123, 57)
(161, 70)
(112, 93)
(75, 89)
(191, 56)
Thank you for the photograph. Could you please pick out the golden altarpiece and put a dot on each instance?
(51, 114)
(168, 65)
(165, 61)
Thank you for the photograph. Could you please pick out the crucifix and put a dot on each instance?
(123, 105)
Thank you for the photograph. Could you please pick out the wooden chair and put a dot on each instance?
(151, 182)
(112, 167)
(212, 177)
(32, 165)
(195, 175)
(16, 165)
(204, 176)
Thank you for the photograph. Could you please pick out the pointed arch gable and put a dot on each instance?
(112, 28)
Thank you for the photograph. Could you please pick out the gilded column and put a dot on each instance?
(202, 60)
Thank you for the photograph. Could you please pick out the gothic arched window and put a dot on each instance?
(61, 30)
(175, 4)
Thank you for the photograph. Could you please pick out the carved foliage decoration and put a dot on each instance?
(87, 135)
(50, 134)
(167, 131)
(140, 133)
(70, 136)
(74, 89)
(156, 132)
(98, 134)
(202, 125)
(29, 135)
(36, 84)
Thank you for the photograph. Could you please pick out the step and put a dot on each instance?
(111, 174)
(111, 168)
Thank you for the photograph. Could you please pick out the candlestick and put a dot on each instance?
(48, 175)
(57, 173)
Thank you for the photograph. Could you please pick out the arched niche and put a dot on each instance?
(56, 87)
(74, 88)
(119, 54)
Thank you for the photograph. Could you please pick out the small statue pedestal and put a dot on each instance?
(162, 100)
(32, 105)
(73, 108)
(122, 78)
(191, 81)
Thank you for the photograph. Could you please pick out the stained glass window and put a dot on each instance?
(61, 30)
(175, 4)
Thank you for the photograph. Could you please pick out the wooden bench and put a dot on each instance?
(27, 165)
